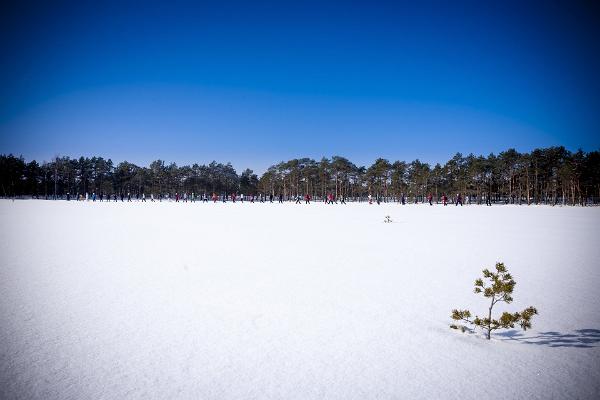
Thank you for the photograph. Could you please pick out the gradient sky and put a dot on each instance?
(255, 83)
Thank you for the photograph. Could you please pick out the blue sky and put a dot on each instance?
(257, 82)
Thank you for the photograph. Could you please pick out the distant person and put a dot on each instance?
(144, 197)
(444, 200)
(342, 200)
(307, 198)
(128, 197)
(459, 200)
(370, 199)
(430, 199)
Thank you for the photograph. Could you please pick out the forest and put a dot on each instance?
(551, 175)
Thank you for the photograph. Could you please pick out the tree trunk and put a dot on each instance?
(489, 331)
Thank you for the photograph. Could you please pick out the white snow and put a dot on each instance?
(269, 301)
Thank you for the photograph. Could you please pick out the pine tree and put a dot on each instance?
(499, 289)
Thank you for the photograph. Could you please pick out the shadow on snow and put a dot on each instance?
(581, 338)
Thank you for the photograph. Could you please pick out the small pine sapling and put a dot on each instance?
(500, 288)
(387, 219)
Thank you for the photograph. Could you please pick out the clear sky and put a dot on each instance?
(255, 83)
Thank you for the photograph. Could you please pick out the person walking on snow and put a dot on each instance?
(430, 199)
(459, 200)
(444, 199)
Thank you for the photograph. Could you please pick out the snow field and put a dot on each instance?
(259, 301)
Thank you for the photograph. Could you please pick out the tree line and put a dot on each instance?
(551, 175)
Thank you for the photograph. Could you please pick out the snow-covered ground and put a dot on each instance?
(269, 301)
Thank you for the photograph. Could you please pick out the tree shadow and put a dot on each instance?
(581, 338)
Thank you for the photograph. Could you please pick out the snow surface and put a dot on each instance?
(269, 301)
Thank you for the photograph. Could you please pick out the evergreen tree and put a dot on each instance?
(551, 175)
(499, 289)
